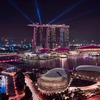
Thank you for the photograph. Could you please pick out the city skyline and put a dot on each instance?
(81, 15)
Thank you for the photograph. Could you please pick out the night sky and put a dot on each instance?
(83, 17)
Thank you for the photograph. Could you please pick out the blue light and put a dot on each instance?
(15, 6)
(38, 12)
(87, 12)
(2, 48)
(62, 39)
(2, 84)
(66, 11)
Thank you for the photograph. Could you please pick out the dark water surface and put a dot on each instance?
(68, 63)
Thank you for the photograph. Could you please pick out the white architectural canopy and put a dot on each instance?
(56, 73)
(54, 81)
(88, 68)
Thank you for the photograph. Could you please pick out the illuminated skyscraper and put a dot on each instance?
(50, 36)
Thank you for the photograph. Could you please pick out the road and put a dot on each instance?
(96, 97)
(35, 95)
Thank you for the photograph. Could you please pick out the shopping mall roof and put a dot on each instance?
(44, 49)
(89, 47)
(62, 49)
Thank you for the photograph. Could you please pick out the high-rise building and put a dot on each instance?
(50, 36)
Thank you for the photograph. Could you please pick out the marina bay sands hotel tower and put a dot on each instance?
(50, 36)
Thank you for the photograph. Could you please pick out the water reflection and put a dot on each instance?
(68, 63)
(64, 63)
(47, 63)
